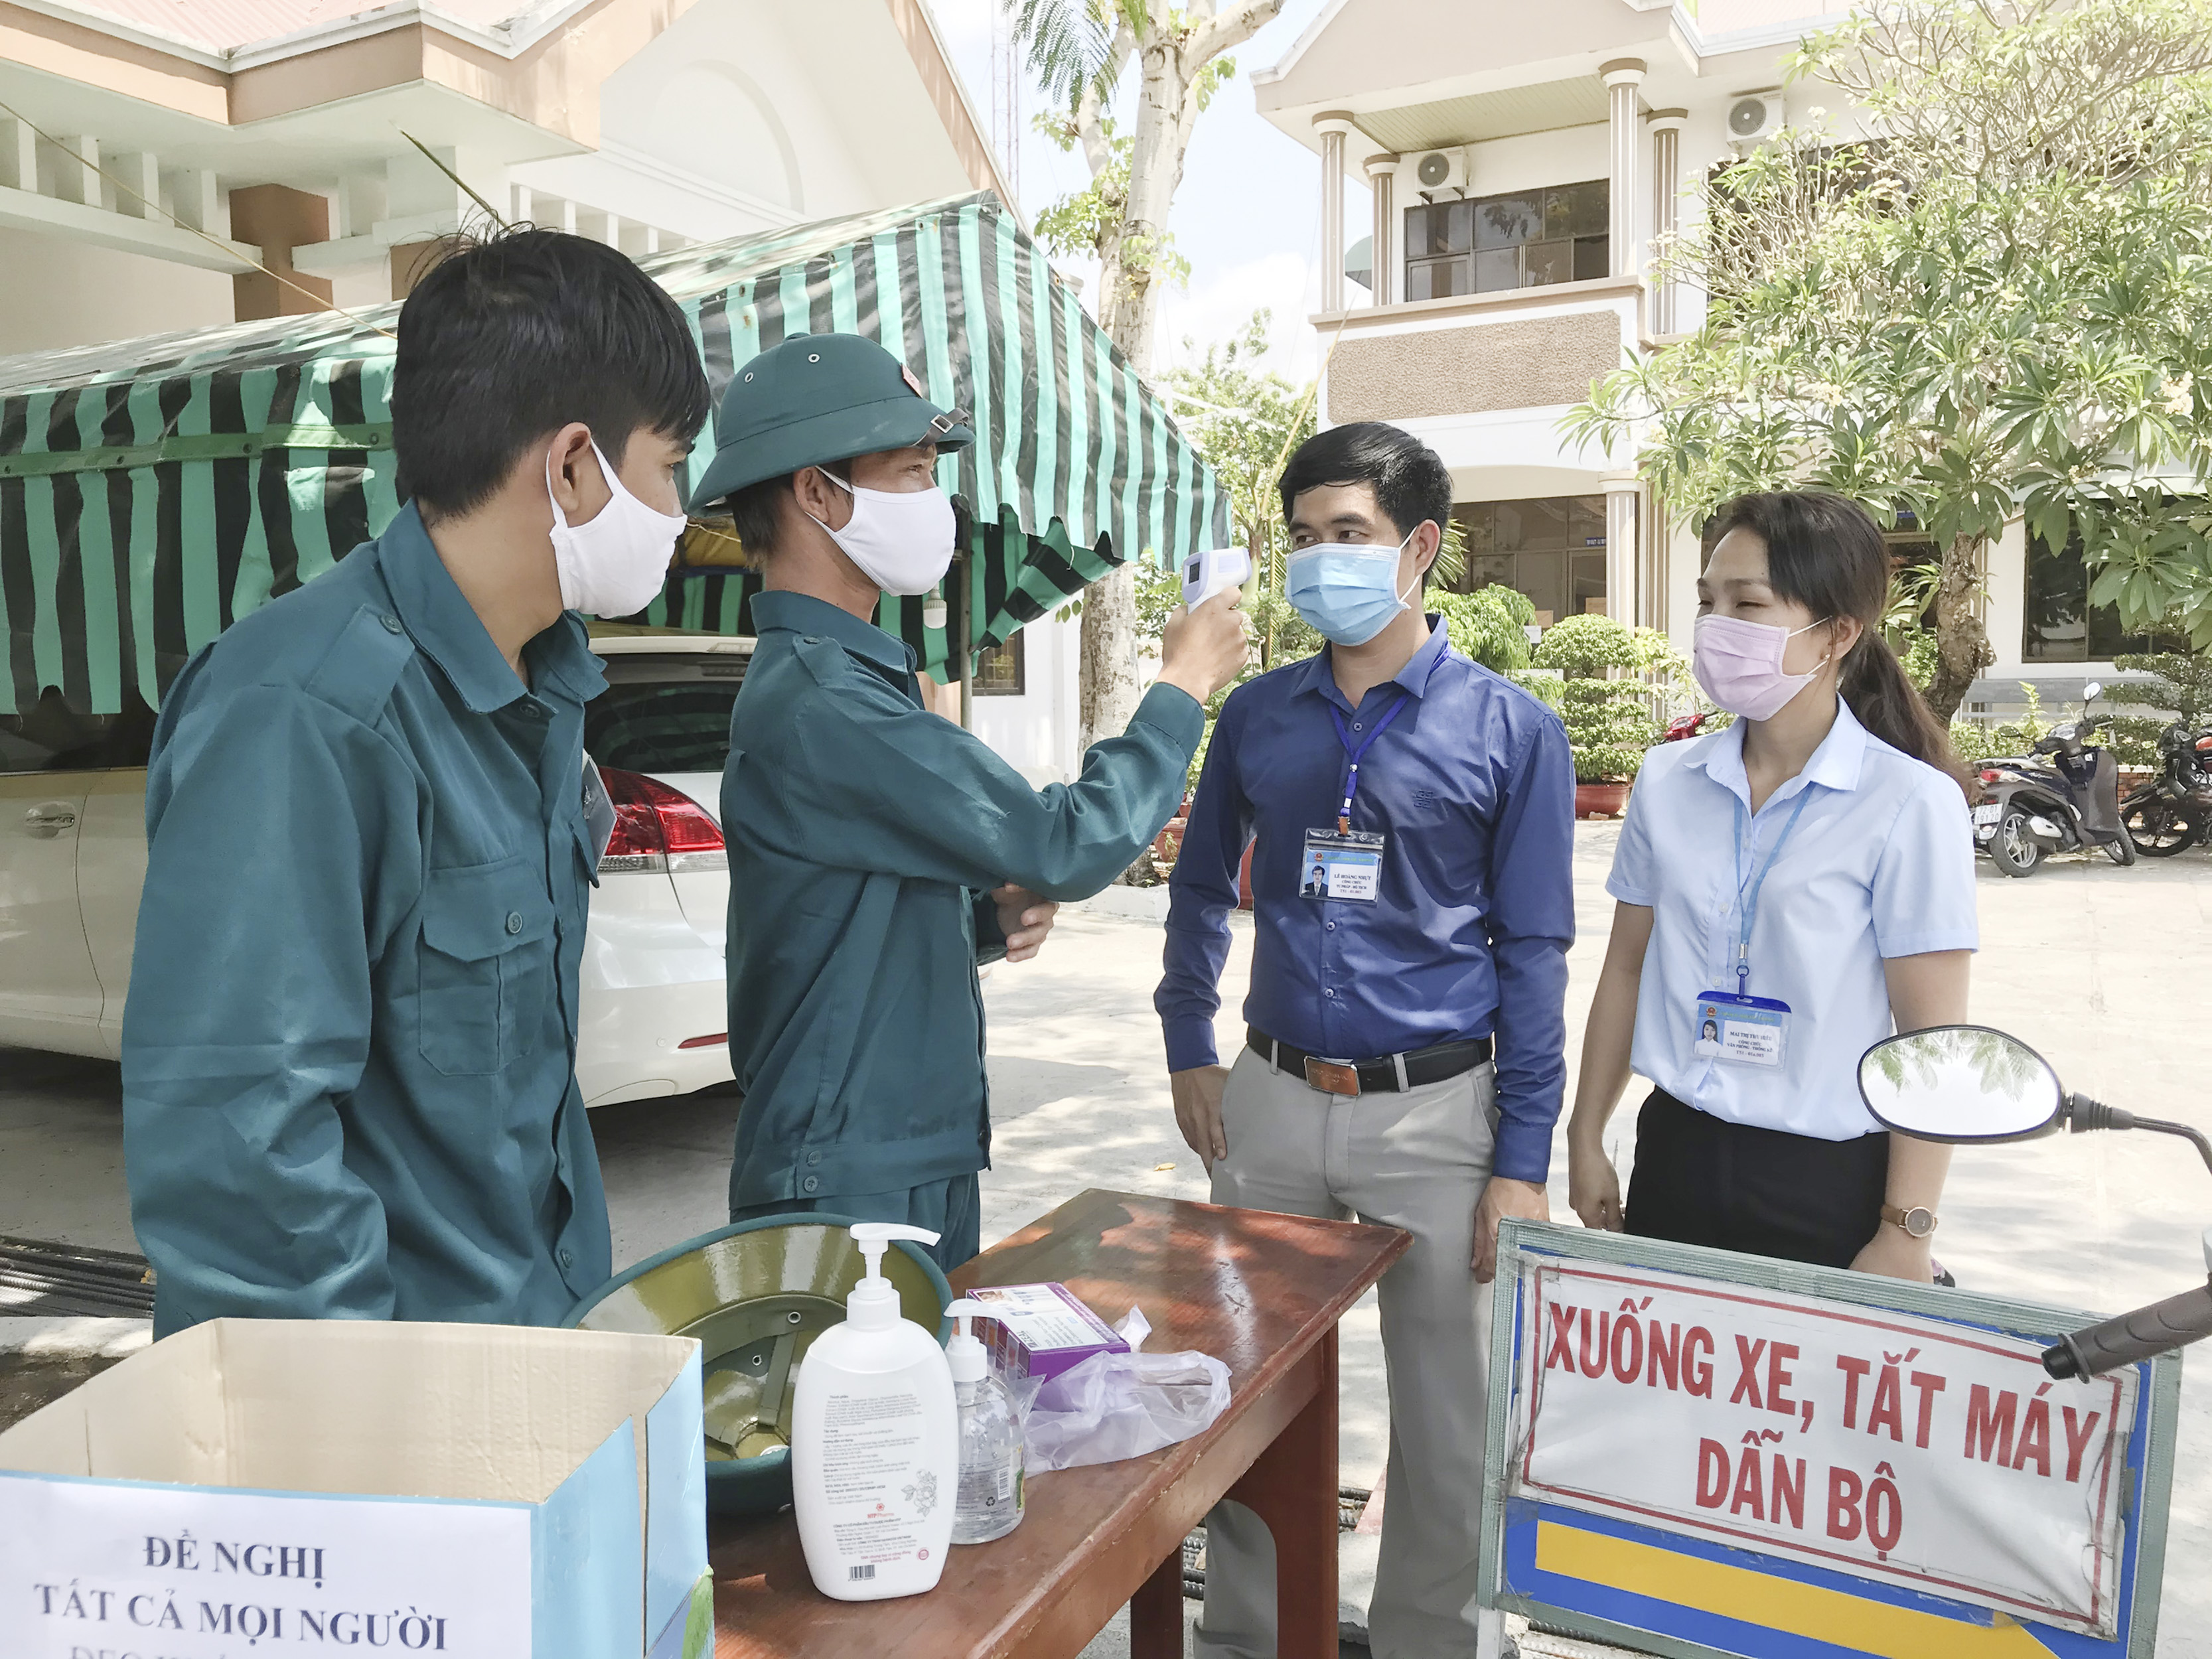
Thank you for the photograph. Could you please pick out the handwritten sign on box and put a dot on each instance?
(1705, 1454)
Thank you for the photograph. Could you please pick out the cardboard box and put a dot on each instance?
(1040, 1330)
(477, 1490)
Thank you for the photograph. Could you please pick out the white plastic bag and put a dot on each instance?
(1114, 1406)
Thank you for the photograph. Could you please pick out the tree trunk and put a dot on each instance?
(1171, 50)
(1962, 645)
(1110, 687)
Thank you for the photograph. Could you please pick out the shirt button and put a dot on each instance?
(1357, 726)
(391, 622)
(568, 1258)
(514, 921)
(1330, 926)
(809, 1184)
(813, 1158)
(1328, 993)
(810, 639)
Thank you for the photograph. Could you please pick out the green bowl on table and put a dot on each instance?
(755, 1294)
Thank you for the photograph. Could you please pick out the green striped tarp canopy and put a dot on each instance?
(153, 491)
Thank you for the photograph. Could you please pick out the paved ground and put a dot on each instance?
(2101, 969)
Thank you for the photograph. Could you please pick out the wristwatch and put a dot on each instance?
(1918, 1222)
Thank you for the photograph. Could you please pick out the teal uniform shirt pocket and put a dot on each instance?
(487, 965)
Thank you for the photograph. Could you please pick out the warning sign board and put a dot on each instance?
(1689, 1449)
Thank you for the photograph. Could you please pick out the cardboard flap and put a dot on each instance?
(485, 1412)
(157, 1416)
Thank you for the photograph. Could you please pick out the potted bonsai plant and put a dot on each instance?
(1609, 721)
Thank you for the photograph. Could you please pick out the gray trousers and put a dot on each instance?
(1417, 1160)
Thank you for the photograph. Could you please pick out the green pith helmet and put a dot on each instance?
(814, 399)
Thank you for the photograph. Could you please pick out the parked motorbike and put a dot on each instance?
(1968, 1083)
(2168, 815)
(2032, 809)
(1683, 727)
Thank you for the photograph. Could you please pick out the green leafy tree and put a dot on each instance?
(2180, 690)
(1490, 625)
(1995, 310)
(1245, 420)
(1080, 51)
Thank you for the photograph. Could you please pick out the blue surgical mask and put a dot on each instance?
(1348, 591)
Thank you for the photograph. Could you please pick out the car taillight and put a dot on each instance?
(658, 828)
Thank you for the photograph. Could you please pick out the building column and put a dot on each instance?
(1665, 212)
(1651, 609)
(1622, 75)
(277, 219)
(1334, 126)
(1383, 180)
(1624, 514)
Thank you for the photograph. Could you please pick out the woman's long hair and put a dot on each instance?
(1825, 553)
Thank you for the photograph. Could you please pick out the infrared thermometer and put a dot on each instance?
(1205, 575)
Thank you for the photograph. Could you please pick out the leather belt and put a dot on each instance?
(1389, 1073)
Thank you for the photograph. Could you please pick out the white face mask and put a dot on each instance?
(614, 562)
(901, 539)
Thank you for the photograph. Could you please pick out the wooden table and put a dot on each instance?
(1261, 1292)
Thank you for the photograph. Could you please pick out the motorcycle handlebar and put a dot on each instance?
(2138, 1335)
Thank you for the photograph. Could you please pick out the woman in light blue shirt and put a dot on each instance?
(1790, 891)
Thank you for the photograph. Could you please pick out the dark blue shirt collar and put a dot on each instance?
(802, 613)
(446, 628)
(1317, 675)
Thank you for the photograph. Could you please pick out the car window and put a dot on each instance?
(664, 713)
(52, 736)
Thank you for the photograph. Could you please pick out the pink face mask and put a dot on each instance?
(1739, 664)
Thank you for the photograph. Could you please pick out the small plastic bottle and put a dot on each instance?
(990, 1494)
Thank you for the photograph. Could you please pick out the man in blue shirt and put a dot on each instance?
(1413, 816)
(348, 1054)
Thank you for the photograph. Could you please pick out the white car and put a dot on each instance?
(653, 1014)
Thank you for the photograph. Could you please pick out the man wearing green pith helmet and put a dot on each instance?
(878, 854)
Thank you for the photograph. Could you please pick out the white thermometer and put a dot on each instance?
(1206, 573)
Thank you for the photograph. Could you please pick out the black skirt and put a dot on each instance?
(1700, 1180)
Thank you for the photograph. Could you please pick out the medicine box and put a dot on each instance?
(252, 1485)
(1040, 1330)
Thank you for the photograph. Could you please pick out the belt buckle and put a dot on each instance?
(1332, 1077)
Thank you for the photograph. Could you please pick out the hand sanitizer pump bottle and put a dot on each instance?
(991, 1485)
(875, 1443)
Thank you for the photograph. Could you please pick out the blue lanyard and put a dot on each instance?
(1351, 770)
(1747, 899)
(1355, 756)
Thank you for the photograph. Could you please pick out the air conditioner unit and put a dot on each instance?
(1441, 173)
(1755, 117)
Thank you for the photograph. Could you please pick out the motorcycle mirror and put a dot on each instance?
(1960, 1083)
(2092, 691)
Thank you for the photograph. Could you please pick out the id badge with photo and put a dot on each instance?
(1744, 1031)
(1347, 866)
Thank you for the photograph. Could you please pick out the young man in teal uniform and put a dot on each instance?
(348, 1051)
(879, 853)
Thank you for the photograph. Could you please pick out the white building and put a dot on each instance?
(160, 151)
(277, 131)
(1520, 159)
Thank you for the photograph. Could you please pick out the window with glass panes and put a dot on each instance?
(2060, 624)
(1000, 671)
(1525, 239)
(1552, 549)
